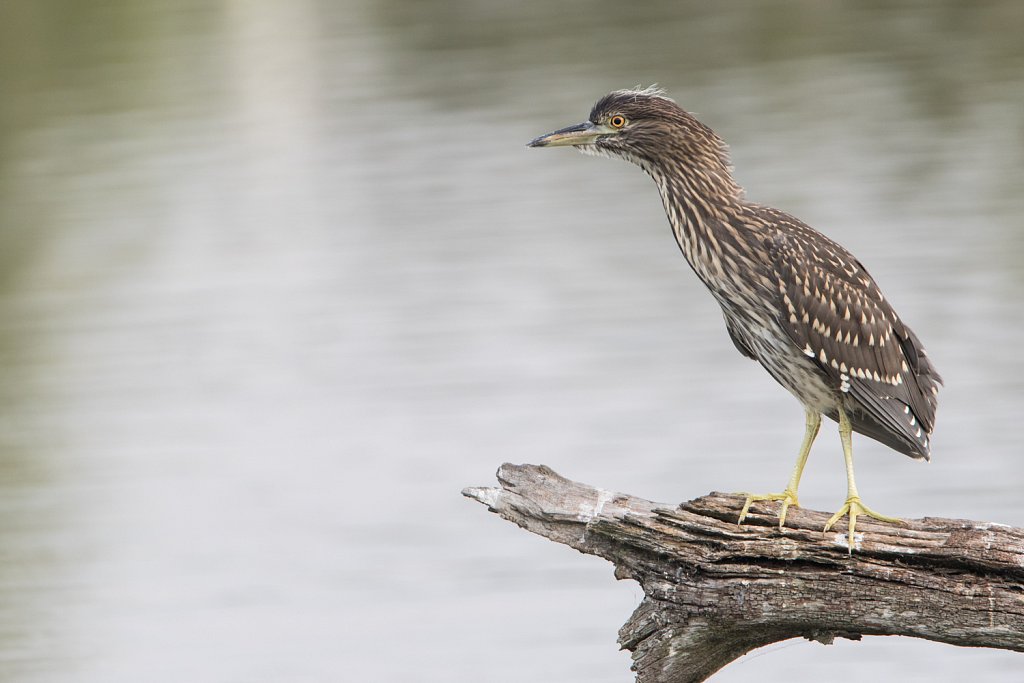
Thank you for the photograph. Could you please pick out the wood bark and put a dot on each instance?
(714, 590)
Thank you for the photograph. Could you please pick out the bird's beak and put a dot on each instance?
(586, 133)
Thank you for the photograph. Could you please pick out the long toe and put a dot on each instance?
(853, 507)
(787, 497)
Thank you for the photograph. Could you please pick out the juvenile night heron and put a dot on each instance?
(793, 300)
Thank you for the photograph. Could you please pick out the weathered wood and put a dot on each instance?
(715, 590)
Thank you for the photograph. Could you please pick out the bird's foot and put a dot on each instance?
(853, 507)
(788, 497)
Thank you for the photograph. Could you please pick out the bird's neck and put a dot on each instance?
(701, 203)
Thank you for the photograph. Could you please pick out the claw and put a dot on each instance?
(787, 497)
(852, 508)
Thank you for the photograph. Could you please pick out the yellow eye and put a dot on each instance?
(617, 121)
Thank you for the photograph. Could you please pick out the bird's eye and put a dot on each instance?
(617, 121)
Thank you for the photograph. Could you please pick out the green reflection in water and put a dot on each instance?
(108, 106)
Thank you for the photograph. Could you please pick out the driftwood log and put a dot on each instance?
(714, 590)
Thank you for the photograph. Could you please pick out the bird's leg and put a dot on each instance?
(853, 505)
(788, 497)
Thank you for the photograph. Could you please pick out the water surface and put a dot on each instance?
(277, 280)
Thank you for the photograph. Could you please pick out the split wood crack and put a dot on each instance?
(714, 590)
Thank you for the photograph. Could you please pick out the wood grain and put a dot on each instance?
(714, 590)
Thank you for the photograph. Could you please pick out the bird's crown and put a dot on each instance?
(636, 100)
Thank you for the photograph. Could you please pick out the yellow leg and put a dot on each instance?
(788, 497)
(853, 506)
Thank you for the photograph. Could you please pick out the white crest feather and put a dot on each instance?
(653, 90)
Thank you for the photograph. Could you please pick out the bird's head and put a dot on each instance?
(650, 130)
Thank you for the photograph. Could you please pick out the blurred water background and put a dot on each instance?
(278, 279)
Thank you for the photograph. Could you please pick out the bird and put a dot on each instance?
(793, 299)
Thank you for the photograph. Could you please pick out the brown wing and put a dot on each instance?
(837, 315)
